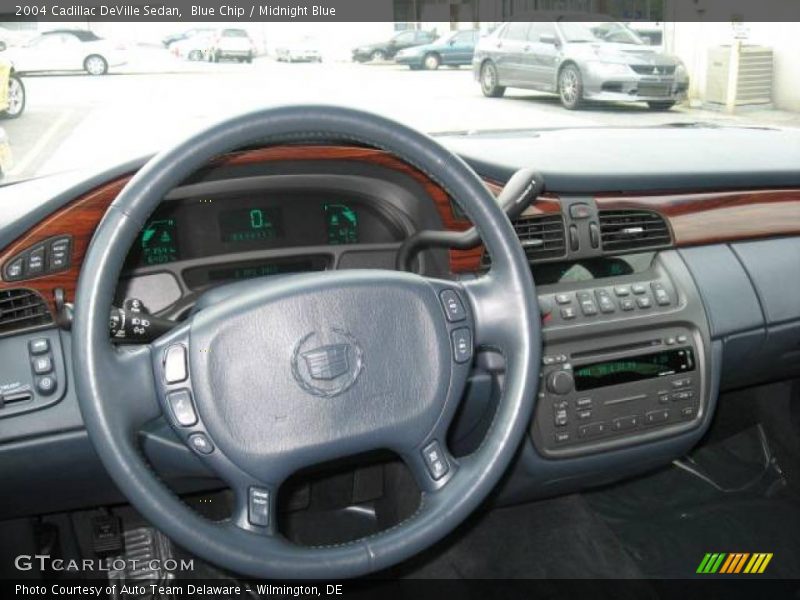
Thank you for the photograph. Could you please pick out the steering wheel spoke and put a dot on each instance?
(489, 297)
(133, 405)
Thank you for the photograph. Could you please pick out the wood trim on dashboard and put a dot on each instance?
(713, 217)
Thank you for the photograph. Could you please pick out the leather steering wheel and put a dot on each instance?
(296, 371)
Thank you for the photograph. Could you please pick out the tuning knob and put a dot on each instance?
(560, 382)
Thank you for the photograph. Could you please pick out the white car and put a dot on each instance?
(67, 50)
(192, 48)
(231, 43)
(304, 51)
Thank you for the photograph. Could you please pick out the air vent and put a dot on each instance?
(22, 309)
(541, 236)
(625, 230)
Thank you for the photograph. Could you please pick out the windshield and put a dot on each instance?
(116, 91)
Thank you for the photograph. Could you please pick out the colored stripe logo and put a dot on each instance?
(734, 563)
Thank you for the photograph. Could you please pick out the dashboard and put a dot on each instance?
(635, 288)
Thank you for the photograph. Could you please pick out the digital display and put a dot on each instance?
(250, 224)
(202, 277)
(158, 242)
(635, 368)
(342, 224)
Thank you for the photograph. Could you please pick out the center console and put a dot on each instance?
(625, 359)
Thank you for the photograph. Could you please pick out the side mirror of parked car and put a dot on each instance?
(548, 38)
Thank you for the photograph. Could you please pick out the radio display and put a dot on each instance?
(634, 368)
(250, 224)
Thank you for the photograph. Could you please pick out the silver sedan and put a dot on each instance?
(579, 60)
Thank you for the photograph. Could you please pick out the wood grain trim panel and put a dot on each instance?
(713, 217)
(80, 217)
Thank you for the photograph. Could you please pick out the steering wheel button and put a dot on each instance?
(462, 345)
(435, 460)
(180, 403)
(453, 307)
(258, 507)
(200, 443)
(175, 364)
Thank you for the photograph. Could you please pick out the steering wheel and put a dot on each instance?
(297, 371)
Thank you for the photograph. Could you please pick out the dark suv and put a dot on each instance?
(386, 50)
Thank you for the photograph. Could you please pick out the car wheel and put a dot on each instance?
(16, 98)
(431, 62)
(377, 56)
(95, 65)
(489, 81)
(249, 58)
(661, 105)
(570, 87)
(195, 55)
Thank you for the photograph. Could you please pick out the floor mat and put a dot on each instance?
(667, 521)
(558, 538)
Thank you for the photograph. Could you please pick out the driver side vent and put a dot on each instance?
(541, 236)
(624, 230)
(22, 309)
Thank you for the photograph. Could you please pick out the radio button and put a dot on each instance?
(663, 397)
(656, 416)
(687, 412)
(584, 415)
(560, 382)
(625, 423)
(560, 417)
(682, 339)
(563, 298)
(592, 429)
(561, 437)
(583, 403)
(685, 395)
(680, 383)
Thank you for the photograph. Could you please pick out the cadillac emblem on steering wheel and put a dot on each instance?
(327, 364)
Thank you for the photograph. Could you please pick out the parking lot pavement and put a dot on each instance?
(78, 120)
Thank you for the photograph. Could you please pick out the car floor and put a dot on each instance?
(736, 493)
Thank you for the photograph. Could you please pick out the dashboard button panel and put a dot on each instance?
(46, 257)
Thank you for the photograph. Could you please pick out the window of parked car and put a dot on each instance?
(516, 31)
(407, 37)
(465, 37)
(598, 32)
(537, 30)
(238, 33)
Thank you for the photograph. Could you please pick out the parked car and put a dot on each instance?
(179, 37)
(14, 37)
(386, 50)
(193, 47)
(230, 43)
(454, 49)
(12, 93)
(302, 51)
(67, 50)
(579, 60)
